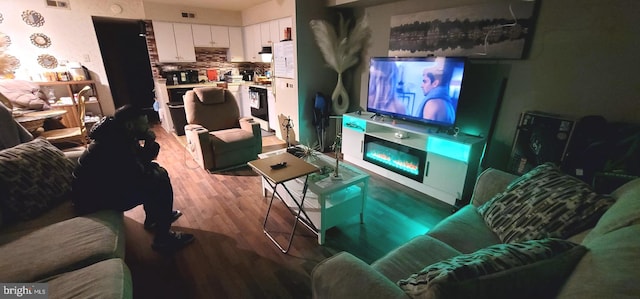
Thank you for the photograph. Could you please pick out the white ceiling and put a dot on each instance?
(233, 5)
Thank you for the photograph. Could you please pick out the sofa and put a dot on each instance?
(450, 260)
(43, 240)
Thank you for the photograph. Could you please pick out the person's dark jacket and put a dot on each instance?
(109, 173)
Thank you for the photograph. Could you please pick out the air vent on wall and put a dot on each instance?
(58, 3)
(188, 15)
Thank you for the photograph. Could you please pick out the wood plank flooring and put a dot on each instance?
(232, 258)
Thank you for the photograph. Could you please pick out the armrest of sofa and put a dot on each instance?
(248, 124)
(345, 276)
(489, 183)
(74, 155)
(199, 145)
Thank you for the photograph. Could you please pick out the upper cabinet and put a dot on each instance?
(236, 45)
(263, 34)
(252, 42)
(283, 24)
(174, 42)
(210, 36)
(273, 31)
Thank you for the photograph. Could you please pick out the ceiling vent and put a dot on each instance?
(58, 3)
(188, 15)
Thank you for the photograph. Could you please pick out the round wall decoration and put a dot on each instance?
(40, 40)
(13, 63)
(32, 18)
(5, 40)
(47, 61)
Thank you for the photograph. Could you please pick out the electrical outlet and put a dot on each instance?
(86, 58)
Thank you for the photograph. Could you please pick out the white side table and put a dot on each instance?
(328, 202)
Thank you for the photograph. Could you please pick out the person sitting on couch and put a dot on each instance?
(118, 172)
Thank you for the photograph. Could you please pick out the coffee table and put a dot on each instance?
(328, 202)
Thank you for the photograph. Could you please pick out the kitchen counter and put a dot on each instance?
(215, 83)
(211, 83)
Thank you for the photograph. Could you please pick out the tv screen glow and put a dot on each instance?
(419, 89)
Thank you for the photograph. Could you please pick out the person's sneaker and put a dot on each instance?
(176, 240)
(150, 225)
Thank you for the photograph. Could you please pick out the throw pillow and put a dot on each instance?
(530, 269)
(35, 176)
(544, 203)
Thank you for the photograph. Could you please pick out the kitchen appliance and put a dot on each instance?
(259, 106)
(212, 75)
(181, 77)
(247, 75)
(285, 88)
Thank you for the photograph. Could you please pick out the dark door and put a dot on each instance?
(126, 61)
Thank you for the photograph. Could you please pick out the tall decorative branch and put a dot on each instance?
(340, 51)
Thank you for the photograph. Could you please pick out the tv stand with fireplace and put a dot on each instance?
(416, 155)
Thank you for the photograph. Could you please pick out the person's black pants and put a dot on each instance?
(155, 193)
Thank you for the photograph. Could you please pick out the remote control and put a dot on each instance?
(279, 165)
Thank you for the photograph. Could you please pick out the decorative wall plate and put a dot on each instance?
(47, 61)
(5, 41)
(40, 40)
(14, 63)
(32, 18)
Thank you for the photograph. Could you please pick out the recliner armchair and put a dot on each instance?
(217, 137)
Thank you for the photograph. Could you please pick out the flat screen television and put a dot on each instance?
(417, 89)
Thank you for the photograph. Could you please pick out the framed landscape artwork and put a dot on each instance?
(488, 31)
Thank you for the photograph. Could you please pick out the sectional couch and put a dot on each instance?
(597, 256)
(41, 237)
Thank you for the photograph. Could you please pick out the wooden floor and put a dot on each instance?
(232, 258)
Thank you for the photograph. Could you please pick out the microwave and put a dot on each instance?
(181, 77)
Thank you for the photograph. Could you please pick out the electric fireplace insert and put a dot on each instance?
(398, 158)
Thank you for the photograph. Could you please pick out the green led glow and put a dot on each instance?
(448, 148)
(353, 123)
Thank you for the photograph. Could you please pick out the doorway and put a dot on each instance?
(126, 62)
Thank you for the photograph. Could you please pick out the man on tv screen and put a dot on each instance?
(436, 105)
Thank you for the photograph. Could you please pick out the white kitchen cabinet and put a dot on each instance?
(210, 36)
(283, 24)
(265, 34)
(235, 90)
(174, 42)
(252, 42)
(236, 45)
(245, 101)
(275, 35)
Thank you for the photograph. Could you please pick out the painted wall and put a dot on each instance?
(274, 9)
(583, 61)
(313, 73)
(173, 13)
(72, 36)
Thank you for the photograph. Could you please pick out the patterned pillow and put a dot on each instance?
(530, 269)
(544, 203)
(35, 176)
